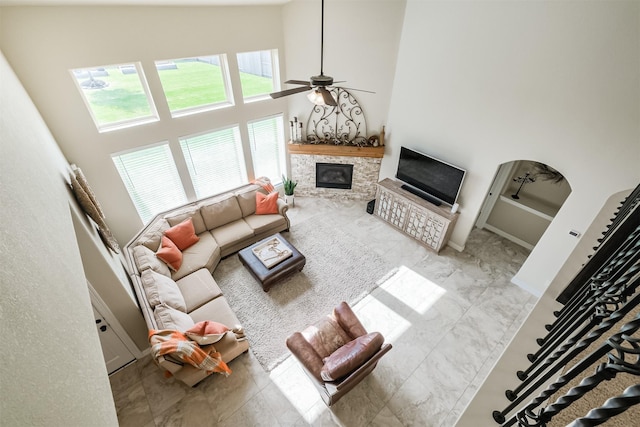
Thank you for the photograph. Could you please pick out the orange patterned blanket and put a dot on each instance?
(177, 344)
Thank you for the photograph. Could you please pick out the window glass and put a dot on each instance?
(151, 178)
(215, 161)
(266, 137)
(195, 84)
(117, 95)
(258, 73)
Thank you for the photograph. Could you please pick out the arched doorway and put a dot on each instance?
(523, 200)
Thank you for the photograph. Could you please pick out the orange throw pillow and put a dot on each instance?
(170, 254)
(266, 204)
(207, 332)
(183, 234)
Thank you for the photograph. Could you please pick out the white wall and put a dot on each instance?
(43, 43)
(52, 371)
(361, 41)
(483, 83)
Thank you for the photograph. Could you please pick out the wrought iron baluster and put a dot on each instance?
(609, 273)
(586, 312)
(628, 286)
(605, 325)
(621, 358)
(623, 224)
(613, 406)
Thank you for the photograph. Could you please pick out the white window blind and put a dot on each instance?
(215, 161)
(267, 147)
(151, 178)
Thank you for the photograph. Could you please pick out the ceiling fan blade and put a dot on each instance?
(328, 98)
(359, 90)
(288, 92)
(298, 82)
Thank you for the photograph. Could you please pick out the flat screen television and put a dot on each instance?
(428, 177)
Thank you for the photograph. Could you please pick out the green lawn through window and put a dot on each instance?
(122, 99)
(192, 84)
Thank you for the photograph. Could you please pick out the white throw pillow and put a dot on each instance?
(170, 318)
(162, 289)
(145, 258)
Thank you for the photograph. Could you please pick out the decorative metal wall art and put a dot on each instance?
(343, 124)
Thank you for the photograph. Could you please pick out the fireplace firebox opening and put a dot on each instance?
(334, 175)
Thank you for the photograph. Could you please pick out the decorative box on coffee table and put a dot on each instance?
(272, 260)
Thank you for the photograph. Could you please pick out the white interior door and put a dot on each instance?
(116, 354)
(504, 171)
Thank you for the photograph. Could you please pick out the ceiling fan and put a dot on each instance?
(320, 95)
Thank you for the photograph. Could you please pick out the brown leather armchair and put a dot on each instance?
(337, 352)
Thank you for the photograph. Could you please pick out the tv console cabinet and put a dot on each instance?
(427, 223)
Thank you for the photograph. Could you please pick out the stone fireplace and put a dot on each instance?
(363, 163)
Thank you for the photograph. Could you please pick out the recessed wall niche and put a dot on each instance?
(524, 199)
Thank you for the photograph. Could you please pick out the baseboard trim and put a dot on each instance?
(524, 285)
(509, 237)
(455, 246)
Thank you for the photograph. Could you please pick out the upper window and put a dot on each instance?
(117, 95)
(193, 85)
(215, 161)
(151, 178)
(267, 148)
(259, 74)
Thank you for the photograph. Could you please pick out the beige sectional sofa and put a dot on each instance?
(168, 299)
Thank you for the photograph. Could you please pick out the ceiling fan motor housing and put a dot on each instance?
(321, 80)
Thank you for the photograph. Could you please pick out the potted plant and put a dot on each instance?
(289, 186)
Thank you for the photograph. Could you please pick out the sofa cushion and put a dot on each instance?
(153, 234)
(247, 200)
(170, 318)
(261, 223)
(217, 309)
(204, 254)
(193, 212)
(220, 212)
(145, 258)
(170, 254)
(198, 288)
(182, 234)
(351, 356)
(207, 332)
(266, 204)
(229, 234)
(162, 289)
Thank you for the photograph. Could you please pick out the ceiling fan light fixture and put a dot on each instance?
(316, 97)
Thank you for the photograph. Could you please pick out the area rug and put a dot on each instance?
(338, 268)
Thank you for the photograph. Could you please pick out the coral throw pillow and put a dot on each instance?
(170, 254)
(266, 204)
(207, 332)
(183, 234)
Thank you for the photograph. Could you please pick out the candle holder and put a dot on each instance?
(526, 179)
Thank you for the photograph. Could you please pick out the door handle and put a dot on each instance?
(103, 328)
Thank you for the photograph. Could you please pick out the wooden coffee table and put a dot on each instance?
(270, 276)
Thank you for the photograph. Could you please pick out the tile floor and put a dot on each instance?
(448, 317)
